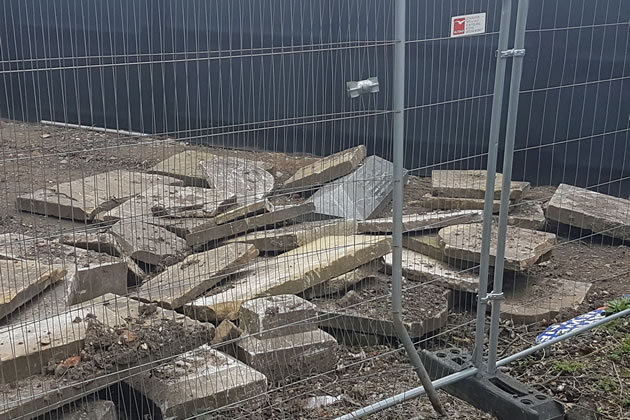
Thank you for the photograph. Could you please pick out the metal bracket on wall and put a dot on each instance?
(511, 53)
(356, 89)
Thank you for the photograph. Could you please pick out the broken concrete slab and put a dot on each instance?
(418, 222)
(293, 272)
(425, 244)
(533, 299)
(524, 247)
(240, 177)
(361, 195)
(293, 236)
(96, 280)
(327, 169)
(89, 410)
(528, 215)
(209, 232)
(367, 309)
(23, 280)
(471, 184)
(243, 210)
(94, 241)
(148, 243)
(345, 282)
(185, 281)
(226, 331)
(166, 201)
(172, 334)
(185, 166)
(289, 356)
(457, 203)
(275, 316)
(218, 380)
(418, 267)
(83, 199)
(597, 212)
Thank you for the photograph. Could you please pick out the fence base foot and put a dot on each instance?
(499, 394)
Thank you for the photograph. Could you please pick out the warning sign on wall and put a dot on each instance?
(468, 24)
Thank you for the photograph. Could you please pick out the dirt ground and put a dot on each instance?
(591, 373)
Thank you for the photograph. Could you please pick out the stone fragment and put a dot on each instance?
(183, 282)
(226, 331)
(197, 381)
(185, 166)
(83, 199)
(293, 272)
(240, 177)
(293, 236)
(360, 195)
(91, 410)
(94, 281)
(597, 212)
(528, 215)
(182, 227)
(327, 169)
(524, 247)
(61, 336)
(532, 299)
(457, 203)
(171, 202)
(471, 184)
(295, 355)
(98, 242)
(275, 316)
(243, 210)
(209, 232)
(425, 244)
(23, 280)
(345, 282)
(418, 222)
(418, 267)
(148, 243)
(367, 309)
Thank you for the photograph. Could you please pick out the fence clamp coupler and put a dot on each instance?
(356, 89)
(492, 296)
(511, 53)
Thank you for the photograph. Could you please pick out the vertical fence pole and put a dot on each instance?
(493, 147)
(518, 55)
(398, 140)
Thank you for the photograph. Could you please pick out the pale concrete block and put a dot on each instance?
(275, 316)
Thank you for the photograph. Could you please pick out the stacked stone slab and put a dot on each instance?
(282, 339)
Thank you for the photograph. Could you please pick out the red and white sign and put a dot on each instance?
(468, 24)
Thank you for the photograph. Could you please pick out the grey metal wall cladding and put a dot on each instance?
(237, 73)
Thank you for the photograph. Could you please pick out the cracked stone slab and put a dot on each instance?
(209, 232)
(327, 169)
(418, 267)
(533, 299)
(471, 184)
(171, 202)
(345, 282)
(528, 215)
(185, 281)
(24, 280)
(524, 247)
(597, 212)
(185, 166)
(241, 211)
(218, 379)
(419, 222)
(425, 244)
(243, 178)
(293, 236)
(275, 316)
(292, 273)
(457, 203)
(360, 195)
(148, 243)
(83, 199)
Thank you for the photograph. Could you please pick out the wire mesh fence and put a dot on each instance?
(199, 211)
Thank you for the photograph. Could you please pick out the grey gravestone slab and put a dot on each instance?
(361, 195)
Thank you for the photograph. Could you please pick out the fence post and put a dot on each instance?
(398, 99)
(517, 54)
(493, 146)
